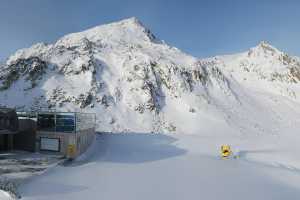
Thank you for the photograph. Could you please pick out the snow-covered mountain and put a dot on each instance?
(266, 64)
(136, 82)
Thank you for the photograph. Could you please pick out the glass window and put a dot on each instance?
(65, 122)
(46, 122)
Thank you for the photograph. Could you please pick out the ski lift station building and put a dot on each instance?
(66, 133)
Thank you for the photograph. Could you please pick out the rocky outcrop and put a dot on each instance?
(31, 69)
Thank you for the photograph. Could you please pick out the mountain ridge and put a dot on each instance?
(135, 82)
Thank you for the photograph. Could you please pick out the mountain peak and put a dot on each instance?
(130, 30)
(264, 48)
(131, 20)
(267, 46)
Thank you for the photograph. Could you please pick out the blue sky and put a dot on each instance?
(201, 28)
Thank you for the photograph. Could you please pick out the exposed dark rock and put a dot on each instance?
(31, 69)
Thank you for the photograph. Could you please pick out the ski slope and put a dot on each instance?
(169, 167)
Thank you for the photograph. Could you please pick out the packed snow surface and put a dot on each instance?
(138, 166)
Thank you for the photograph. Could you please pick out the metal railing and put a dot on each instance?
(68, 122)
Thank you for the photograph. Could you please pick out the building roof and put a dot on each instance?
(6, 110)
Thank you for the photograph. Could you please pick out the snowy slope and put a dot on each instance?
(265, 68)
(165, 167)
(268, 88)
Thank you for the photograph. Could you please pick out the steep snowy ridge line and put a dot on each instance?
(136, 83)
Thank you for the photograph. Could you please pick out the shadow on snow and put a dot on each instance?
(131, 148)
